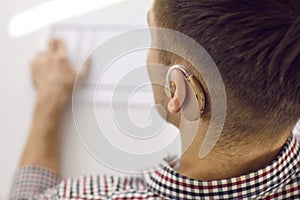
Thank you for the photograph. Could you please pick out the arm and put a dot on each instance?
(53, 77)
(42, 147)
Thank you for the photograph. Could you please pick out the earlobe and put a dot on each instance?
(174, 105)
(177, 99)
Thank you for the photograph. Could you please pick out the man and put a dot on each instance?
(255, 45)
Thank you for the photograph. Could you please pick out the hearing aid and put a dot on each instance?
(194, 103)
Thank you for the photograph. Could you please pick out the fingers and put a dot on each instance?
(56, 50)
(56, 45)
(41, 56)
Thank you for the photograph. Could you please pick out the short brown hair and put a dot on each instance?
(256, 46)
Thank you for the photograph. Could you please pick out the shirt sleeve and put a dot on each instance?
(32, 181)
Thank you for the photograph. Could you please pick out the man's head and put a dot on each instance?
(256, 46)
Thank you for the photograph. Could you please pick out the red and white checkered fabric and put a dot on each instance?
(278, 180)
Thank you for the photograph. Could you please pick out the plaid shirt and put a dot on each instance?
(278, 180)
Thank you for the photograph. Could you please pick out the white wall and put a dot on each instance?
(17, 94)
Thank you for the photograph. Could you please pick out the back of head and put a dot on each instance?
(256, 46)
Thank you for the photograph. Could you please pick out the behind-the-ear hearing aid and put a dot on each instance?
(195, 93)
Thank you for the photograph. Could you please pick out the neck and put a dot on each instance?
(228, 161)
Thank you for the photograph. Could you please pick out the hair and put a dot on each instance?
(256, 46)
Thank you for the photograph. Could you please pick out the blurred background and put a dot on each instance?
(22, 34)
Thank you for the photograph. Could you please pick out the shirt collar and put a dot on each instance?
(169, 184)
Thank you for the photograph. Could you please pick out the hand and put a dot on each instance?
(53, 74)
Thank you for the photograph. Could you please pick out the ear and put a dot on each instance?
(179, 88)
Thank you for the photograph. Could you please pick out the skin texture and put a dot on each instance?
(54, 77)
(224, 161)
